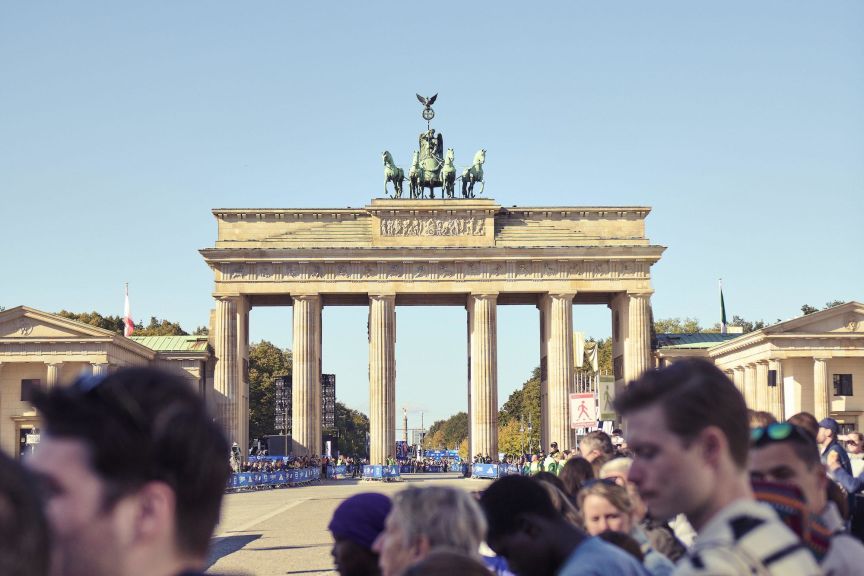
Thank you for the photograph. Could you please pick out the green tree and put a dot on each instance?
(447, 433)
(266, 363)
(521, 409)
(807, 309)
(604, 355)
(352, 426)
(112, 323)
(158, 327)
(677, 326)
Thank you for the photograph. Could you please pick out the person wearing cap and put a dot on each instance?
(355, 525)
(828, 442)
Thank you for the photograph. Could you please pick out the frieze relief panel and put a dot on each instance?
(438, 225)
(492, 270)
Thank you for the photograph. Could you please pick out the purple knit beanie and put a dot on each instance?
(360, 518)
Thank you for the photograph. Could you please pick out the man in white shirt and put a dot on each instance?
(687, 428)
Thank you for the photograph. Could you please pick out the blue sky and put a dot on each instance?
(122, 126)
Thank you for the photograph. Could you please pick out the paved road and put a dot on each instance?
(285, 531)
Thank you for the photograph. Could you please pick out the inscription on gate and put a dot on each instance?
(433, 226)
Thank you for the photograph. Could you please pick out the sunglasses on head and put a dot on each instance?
(779, 432)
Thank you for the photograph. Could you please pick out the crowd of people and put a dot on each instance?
(697, 485)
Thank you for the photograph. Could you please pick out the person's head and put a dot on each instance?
(855, 443)
(616, 469)
(787, 454)
(575, 471)
(806, 421)
(596, 444)
(445, 562)
(565, 506)
(134, 469)
(605, 506)
(521, 520)
(828, 430)
(687, 429)
(24, 539)
(553, 447)
(423, 519)
(760, 418)
(355, 525)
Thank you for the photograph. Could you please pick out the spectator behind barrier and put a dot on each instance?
(527, 530)
(425, 519)
(135, 469)
(24, 541)
(355, 525)
(596, 444)
(687, 428)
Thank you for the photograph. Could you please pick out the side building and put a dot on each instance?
(39, 349)
(813, 363)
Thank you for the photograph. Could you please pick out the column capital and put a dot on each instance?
(640, 293)
(738, 368)
(763, 362)
(382, 297)
(484, 295)
(562, 295)
(306, 297)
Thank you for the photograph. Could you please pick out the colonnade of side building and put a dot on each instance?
(556, 360)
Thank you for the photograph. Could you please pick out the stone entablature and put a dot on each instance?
(428, 223)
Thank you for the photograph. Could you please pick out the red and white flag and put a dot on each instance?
(128, 325)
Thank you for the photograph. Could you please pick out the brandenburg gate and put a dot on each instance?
(401, 252)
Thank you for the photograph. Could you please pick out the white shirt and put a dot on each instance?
(747, 538)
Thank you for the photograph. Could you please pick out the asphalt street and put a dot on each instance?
(284, 531)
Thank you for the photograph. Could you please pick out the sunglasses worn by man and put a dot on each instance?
(132, 469)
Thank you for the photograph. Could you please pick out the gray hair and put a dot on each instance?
(446, 517)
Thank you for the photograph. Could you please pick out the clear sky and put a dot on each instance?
(122, 125)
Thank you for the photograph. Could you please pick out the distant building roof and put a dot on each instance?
(691, 341)
(173, 343)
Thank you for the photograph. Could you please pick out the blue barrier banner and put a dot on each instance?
(390, 471)
(406, 469)
(372, 471)
(434, 468)
(337, 471)
(484, 471)
(246, 480)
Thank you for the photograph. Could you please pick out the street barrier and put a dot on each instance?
(339, 472)
(378, 472)
(484, 471)
(278, 479)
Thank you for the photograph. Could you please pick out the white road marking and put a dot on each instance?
(248, 525)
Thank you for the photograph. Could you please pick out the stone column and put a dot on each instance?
(382, 377)
(482, 319)
(638, 348)
(738, 379)
(54, 369)
(559, 366)
(227, 366)
(762, 385)
(750, 385)
(778, 401)
(306, 376)
(821, 392)
(241, 402)
(100, 369)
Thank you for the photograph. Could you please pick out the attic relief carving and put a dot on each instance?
(433, 226)
(853, 323)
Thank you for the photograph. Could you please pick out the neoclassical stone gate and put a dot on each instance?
(472, 253)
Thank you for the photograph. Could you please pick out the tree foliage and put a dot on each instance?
(807, 309)
(112, 323)
(447, 434)
(604, 355)
(352, 426)
(266, 363)
(521, 410)
(677, 326)
(162, 327)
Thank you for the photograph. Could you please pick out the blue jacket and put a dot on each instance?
(835, 446)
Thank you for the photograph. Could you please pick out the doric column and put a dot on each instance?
(559, 366)
(821, 392)
(54, 369)
(778, 401)
(762, 385)
(750, 385)
(227, 366)
(100, 369)
(306, 376)
(482, 320)
(382, 377)
(638, 348)
(738, 379)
